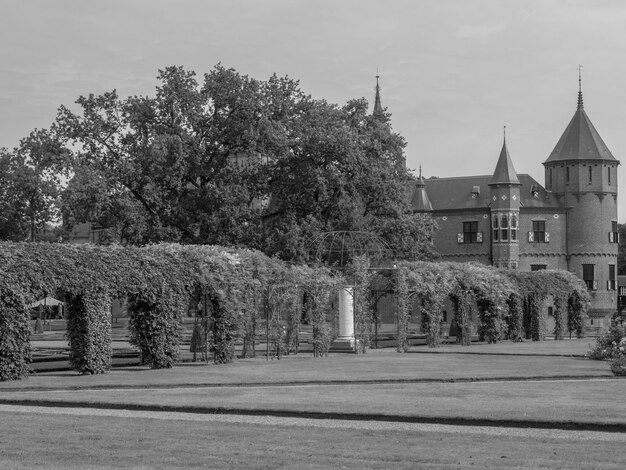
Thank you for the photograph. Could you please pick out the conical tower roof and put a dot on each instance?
(505, 172)
(420, 201)
(581, 140)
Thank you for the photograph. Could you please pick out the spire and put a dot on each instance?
(580, 140)
(505, 173)
(580, 88)
(378, 108)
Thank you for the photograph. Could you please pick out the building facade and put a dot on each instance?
(510, 220)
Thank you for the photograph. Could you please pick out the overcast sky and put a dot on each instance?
(453, 72)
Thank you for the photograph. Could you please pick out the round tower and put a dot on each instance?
(582, 173)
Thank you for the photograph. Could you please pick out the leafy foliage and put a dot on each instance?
(501, 299)
(402, 289)
(228, 160)
(610, 345)
(29, 186)
(89, 331)
(159, 281)
(14, 332)
(358, 273)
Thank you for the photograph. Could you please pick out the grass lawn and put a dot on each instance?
(554, 402)
(428, 385)
(376, 365)
(417, 385)
(71, 442)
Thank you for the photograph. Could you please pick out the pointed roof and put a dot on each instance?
(581, 140)
(420, 201)
(505, 173)
(378, 108)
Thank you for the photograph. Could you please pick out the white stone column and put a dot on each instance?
(345, 340)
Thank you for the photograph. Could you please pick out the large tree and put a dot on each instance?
(30, 181)
(199, 163)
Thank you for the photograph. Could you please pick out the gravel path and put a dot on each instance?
(326, 423)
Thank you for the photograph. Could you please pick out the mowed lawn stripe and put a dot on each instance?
(370, 425)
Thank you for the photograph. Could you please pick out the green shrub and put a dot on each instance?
(618, 366)
(610, 345)
(14, 333)
(89, 331)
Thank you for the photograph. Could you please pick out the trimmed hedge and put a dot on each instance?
(89, 331)
(14, 332)
(506, 302)
(159, 282)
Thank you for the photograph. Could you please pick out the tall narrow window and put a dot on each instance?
(513, 227)
(590, 174)
(551, 178)
(504, 228)
(495, 226)
(612, 285)
(609, 174)
(588, 275)
(539, 231)
(567, 174)
(614, 233)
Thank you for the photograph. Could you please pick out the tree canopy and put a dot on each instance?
(227, 160)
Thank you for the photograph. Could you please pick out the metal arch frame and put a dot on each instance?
(351, 243)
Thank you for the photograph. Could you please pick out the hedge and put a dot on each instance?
(89, 331)
(159, 282)
(14, 332)
(505, 302)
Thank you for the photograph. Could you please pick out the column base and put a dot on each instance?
(345, 344)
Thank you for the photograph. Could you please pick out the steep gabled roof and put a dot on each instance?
(473, 192)
(581, 140)
(505, 173)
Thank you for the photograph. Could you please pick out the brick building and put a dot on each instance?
(511, 220)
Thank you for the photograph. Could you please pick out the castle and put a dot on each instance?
(510, 220)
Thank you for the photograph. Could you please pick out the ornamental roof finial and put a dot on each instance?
(580, 87)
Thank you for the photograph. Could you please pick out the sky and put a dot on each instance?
(452, 72)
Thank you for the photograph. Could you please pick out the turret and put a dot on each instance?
(582, 173)
(420, 201)
(505, 204)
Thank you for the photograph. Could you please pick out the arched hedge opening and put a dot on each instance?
(504, 303)
(162, 281)
(159, 282)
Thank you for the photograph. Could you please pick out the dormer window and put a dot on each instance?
(475, 192)
(534, 190)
